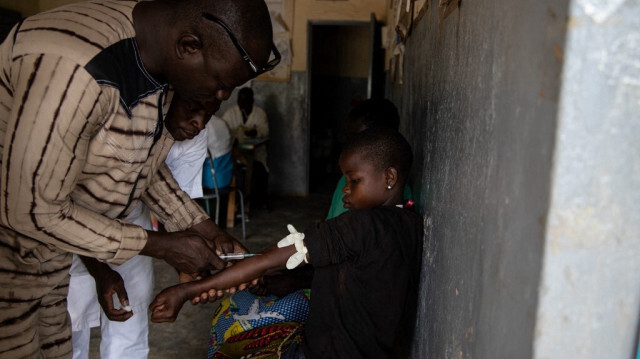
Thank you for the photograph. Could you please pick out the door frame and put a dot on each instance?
(310, 24)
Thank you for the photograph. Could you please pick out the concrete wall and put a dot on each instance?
(525, 121)
(479, 105)
(286, 106)
(590, 291)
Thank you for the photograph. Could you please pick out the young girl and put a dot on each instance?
(367, 261)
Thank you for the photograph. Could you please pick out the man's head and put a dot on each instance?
(245, 99)
(376, 165)
(378, 112)
(212, 46)
(184, 121)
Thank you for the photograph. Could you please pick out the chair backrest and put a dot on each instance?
(209, 177)
(222, 170)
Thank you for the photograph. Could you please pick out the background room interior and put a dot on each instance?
(524, 118)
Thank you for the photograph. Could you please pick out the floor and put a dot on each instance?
(188, 337)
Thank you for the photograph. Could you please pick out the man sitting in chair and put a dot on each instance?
(247, 121)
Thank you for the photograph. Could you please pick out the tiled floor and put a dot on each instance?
(188, 337)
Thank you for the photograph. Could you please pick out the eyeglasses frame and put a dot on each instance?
(243, 53)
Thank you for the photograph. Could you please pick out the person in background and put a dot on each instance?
(371, 113)
(84, 90)
(367, 261)
(248, 121)
(124, 333)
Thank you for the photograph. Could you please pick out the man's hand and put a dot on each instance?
(108, 283)
(212, 295)
(195, 250)
(187, 251)
(223, 244)
(220, 240)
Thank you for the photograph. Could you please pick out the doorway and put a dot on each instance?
(344, 67)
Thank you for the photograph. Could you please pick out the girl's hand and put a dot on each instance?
(166, 305)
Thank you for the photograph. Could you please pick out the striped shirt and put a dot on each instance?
(82, 136)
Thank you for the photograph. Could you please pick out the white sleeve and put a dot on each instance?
(230, 118)
(185, 160)
(218, 137)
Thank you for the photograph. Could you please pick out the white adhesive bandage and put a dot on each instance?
(118, 305)
(295, 238)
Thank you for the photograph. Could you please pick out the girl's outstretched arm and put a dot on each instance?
(167, 304)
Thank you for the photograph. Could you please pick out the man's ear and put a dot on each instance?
(391, 176)
(187, 45)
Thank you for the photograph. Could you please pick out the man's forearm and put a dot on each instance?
(156, 246)
(170, 204)
(94, 266)
(162, 244)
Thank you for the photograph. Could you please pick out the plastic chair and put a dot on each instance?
(216, 193)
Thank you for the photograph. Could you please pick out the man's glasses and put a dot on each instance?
(245, 56)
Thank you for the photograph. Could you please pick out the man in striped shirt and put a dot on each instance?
(83, 94)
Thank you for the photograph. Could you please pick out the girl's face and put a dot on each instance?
(366, 186)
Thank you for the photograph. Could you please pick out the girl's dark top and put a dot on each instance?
(364, 292)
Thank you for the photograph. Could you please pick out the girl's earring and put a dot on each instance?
(389, 187)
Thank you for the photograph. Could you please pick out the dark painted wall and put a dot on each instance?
(479, 104)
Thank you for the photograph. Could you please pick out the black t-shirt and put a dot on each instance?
(367, 266)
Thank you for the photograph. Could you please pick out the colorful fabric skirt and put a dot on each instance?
(247, 325)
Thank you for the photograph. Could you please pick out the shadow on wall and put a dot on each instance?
(271, 106)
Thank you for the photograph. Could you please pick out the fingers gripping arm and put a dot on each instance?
(167, 304)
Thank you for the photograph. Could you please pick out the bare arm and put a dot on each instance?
(167, 304)
(222, 243)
